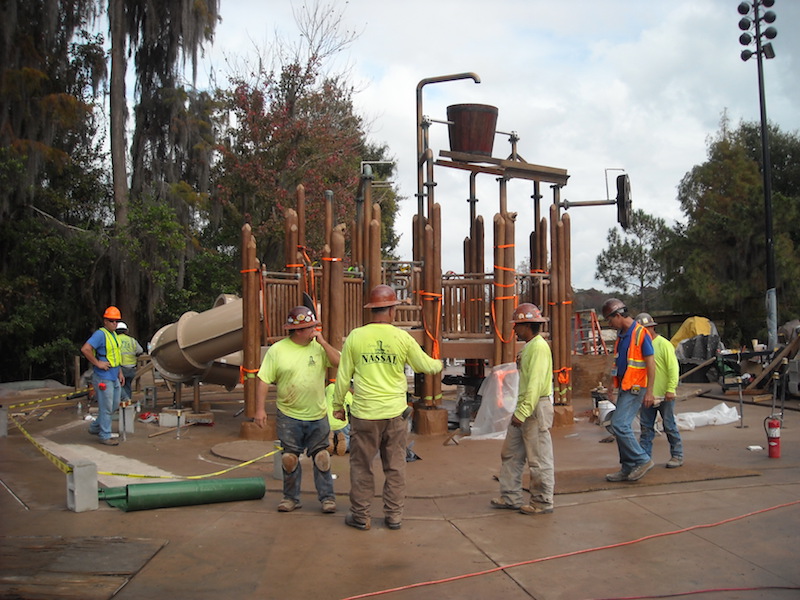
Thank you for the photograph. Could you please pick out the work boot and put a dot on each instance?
(340, 445)
(530, 509)
(288, 505)
(109, 442)
(501, 502)
(640, 470)
(329, 506)
(620, 475)
(393, 524)
(675, 462)
(351, 521)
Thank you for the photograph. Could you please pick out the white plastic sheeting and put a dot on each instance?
(721, 414)
(498, 400)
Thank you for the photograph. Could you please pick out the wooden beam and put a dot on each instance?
(789, 349)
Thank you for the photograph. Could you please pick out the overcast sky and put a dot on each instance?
(588, 85)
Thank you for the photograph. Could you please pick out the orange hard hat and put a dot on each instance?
(382, 296)
(300, 317)
(112, 312)
(528, 313)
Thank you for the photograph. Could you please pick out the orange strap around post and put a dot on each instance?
(562, 375)
(494, 319)
(431, 297)
(246, 374)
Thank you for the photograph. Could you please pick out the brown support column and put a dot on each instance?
(510, 289)
(250, 318)
(498, 291)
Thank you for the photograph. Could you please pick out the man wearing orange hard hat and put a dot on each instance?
(103, 352)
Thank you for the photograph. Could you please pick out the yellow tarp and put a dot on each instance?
(691, 327)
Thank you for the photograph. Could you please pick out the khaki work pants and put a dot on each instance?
(386, 437)
(530, 442)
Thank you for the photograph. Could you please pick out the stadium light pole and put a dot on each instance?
(762, 51)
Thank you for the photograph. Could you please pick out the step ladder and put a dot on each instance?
(587, 334)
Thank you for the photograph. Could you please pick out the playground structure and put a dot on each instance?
(461, 317)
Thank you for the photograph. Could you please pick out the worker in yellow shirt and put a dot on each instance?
(297, 365)
(374, 357)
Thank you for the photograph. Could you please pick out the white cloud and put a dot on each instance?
(587, 84)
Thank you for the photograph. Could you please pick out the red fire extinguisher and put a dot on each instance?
(772, 425)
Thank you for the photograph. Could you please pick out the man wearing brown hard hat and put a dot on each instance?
(634, 373)
(528, 436)
(375, 356)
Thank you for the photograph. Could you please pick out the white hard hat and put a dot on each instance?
(121, 325)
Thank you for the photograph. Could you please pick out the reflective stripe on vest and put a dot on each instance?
(113, 352)
(636, 370)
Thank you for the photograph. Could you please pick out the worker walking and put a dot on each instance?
(664, 387)
(131, 349)
(374, 356)
(297, 365)
(633, 373)
(528, 436)
(103, 352)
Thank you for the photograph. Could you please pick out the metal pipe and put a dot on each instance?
(422, 146)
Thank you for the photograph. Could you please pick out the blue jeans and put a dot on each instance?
(107, 405)
(631, 453)
(129, 373)
(647, 417)
(297, 436)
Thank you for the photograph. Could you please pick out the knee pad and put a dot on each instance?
(289, 462)
(323, 460)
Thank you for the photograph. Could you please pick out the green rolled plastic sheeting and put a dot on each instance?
(144, 496)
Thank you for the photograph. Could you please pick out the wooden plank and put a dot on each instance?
(509, 168)
(698, 367)
(789, 349)
(82, 568)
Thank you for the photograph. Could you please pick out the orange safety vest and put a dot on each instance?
(636, 371)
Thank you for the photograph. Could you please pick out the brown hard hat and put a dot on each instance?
(643, 319)
(613, 306)
(528, 313)
(112, 312)
(300, 317)
(382, 296)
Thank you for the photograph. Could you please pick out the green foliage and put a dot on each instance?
(716, 258)
(631, 261)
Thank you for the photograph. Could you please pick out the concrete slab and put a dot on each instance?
(587, 548)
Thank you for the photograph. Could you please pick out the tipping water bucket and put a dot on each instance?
(472, 128)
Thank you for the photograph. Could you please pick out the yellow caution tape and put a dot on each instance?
(66, 468)
(32, 402)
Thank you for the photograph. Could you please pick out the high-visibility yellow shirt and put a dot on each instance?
(375, 356)
(336, 424)
(535, 364)
(667, 367)
(299, 374)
